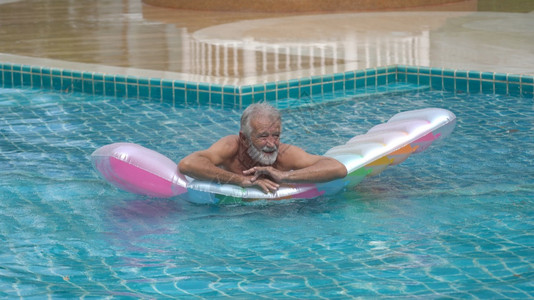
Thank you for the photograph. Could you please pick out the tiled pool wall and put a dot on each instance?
(177, 91)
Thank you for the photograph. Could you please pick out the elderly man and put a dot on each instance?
(256, 157)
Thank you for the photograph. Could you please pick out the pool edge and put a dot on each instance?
(178, 91)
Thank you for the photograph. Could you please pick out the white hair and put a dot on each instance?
(255, 109)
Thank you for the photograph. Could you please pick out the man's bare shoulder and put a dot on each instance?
(292, 157)
(226, 146)
(289, 150)
(229, 140)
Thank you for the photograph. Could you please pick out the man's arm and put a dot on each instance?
(203, 165)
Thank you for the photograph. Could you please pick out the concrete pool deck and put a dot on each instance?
(130, 38)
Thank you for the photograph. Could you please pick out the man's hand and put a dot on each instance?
(258, 172)
(267, 185)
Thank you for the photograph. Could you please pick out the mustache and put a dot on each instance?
(269, 149)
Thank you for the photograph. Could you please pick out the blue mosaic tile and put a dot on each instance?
(155, 92)
(98, 88)
(412, 78)
(294, 83)
(216, 98)
(120, 89)
(270, 96)
(514, 78)
(316, 89)
(46, 82)
(232, 89)
(305, 90)
(391, 78)
(448, 72)
(305, 81)
(246, 89)
(501, 88)
(56, 83)
(247, 100)
(88, 86)
(36, 80)
(527, 79)
(98, 76)
(349, 75)
(436, 71)
(27, 79)
(381, 80)
(120, 78)
(216, 88)
(179, 95)
(487, 75)
(282, 94)
(350, 84)
(424, 70)
(76, 74)
(179, 84)
(109, 88)
(142, 81)
(361, 81)
(411, 69)
(424, 80)
(316, 79)
(16, 78)
(436, 82)
(474, 86)
(514, 89)
(473, 74)
(328, 87)
(67, 84)
(461, 84)
(527, 90)
(143, 92)
(258, 88)
(203, 87)
(282, 84)
(500, 77)
(203, 97)
(131, 89)
(294, 92)
(9, 78)
(327, 78)
(258, 97)
(401, 69)
(191, 96)
(460, 74)
(487, 87)
(339, 76)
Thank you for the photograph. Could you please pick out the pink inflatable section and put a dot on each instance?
(139, 170)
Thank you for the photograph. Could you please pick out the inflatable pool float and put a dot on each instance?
(139, 170)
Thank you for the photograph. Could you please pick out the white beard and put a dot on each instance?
(259, 156)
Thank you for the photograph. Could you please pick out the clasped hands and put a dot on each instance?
(267, 178)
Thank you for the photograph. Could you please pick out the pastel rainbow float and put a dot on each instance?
(139, 170)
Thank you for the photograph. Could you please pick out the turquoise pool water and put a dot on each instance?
(456, 221)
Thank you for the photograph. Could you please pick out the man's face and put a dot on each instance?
(264, 140)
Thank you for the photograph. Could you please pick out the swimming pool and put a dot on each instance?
(455, 221)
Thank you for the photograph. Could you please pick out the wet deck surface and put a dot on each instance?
(128, 37)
